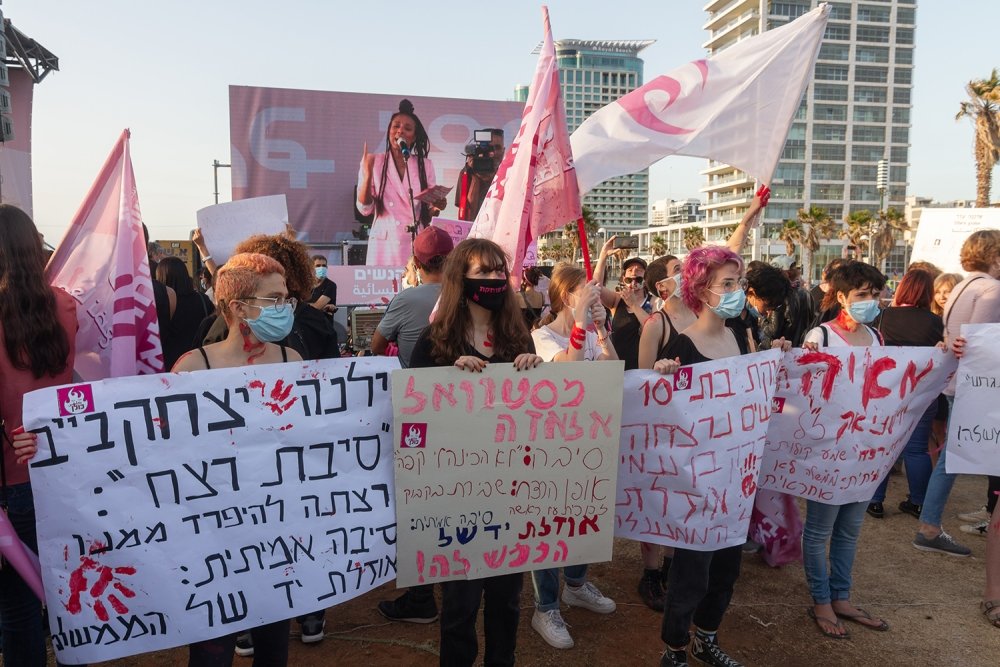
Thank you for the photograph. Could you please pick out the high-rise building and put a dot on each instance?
(855, 112)
(594, 73)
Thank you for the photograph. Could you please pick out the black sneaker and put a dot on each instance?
(409, 610)
(244, 645)
(672, 658)
(876, 510)
(651, 590)
(312, 629)
(906, 507)
(707, 652)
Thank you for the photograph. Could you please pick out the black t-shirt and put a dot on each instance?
(910, 326)
(326, 287)
(422, 357)
(684, 348)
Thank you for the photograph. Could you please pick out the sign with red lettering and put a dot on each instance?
(974, 427)
(846, 414)
(515, 470)
(690, 451)
(174, 508)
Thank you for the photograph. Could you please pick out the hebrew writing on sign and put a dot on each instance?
(974, 427)
(504, 471)
(842, 415)
(691, 447)
(176, 508)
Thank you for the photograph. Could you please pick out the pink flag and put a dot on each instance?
(735, 107)
(20, 557)
(535, 190)
(102, 263)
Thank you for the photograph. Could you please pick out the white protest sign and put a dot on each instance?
(942, 231)
(504, 471)
(842, 415)
(974, 427)
(690, 451)
(224, 226)
(177, 508)
(458, 230)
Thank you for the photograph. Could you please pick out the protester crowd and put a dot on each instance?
(271, 302)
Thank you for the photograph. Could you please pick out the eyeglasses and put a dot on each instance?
(279, 302)
(731, 285)
(635, 281)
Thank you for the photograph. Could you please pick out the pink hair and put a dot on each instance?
(699, 270)
(238, 278)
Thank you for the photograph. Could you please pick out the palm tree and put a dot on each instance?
(657, 245)
(790, 233)
(983, 107)
(694, 237)
(817, 226)
(857, 230)
(884, 237)
(571, 233)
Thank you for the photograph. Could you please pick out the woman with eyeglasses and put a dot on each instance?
(252, 298)
(700, 583)
(630, 306)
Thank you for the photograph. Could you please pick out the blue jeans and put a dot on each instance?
(916, 459)
(546, 584)
(20, 611)
(939, 486)
(839, 525)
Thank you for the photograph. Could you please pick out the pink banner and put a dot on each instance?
(307, 145)
(15, 157)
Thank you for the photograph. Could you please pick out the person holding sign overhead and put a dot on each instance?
(478, 322)
(574, 331)
(385, 183)
(855, 287)
(700, 583)
(252, 298)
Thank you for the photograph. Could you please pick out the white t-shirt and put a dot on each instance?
(834, 339)
(548, 344)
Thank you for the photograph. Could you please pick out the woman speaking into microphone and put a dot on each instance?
(385, 183)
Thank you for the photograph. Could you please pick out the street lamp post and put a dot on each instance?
(216, 165)
(882, 185)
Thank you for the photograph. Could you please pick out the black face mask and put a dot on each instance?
(486, 292)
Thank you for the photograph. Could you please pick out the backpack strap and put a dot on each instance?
(955, 300)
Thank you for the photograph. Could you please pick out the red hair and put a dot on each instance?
(915, 289)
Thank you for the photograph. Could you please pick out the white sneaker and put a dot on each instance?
(975, 528)
(588, 597)
(975, 517)
(553, 629)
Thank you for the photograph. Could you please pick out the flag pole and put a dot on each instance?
(585, 248)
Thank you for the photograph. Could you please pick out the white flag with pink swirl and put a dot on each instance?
(734, 107)
(102, 263)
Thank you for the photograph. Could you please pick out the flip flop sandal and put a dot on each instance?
(991, 610)
(820, 620)
(859, 618)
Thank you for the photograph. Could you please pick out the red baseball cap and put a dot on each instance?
(432, 242)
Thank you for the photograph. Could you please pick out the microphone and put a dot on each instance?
(403, 147)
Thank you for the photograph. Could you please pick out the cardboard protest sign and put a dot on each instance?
(842, 415)
(504, 471)
(974, 427)
(690, 451)
(224, 226)
(176, 508)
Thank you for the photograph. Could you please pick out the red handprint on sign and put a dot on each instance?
(92, 579)
(280, 395)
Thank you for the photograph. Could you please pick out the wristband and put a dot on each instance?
(205, 258)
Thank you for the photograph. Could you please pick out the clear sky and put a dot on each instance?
(163, 70)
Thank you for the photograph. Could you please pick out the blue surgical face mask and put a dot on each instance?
(677, 289)
(864, 312)
(321, 272)
(273, 324)
(730, 304)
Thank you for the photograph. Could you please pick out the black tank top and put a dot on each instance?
(204, 355)
(625, 332)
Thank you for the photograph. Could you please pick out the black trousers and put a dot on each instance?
(699, 589)
(460, 602)
(270, 648)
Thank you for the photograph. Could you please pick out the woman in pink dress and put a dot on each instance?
(384, 184)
